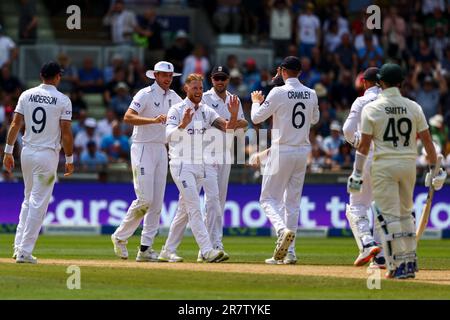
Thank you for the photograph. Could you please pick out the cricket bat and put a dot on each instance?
(427, 207)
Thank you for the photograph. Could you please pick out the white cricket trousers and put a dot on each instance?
(282, 185)
(149, 165)
(189, 179)
(361, 202)
(214, 218)
(39, 166)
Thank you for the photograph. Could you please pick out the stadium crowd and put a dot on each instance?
(333, 42)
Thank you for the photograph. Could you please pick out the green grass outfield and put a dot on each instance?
(48, 281)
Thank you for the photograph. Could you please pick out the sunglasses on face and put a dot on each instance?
(220, 78)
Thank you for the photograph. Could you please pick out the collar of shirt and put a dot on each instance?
(216, 97)
(292, 81)
(391, 92)
(47, 86)
(159, 90)
(190, 104)
(374, 89)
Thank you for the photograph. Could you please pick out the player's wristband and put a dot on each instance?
(69, 159)
(9, 149)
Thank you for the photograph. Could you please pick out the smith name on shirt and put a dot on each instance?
(42, 99)
(396, 110)
(299, 94)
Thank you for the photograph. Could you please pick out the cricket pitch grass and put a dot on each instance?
(324, 271)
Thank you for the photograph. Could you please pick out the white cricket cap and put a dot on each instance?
(90, 123)
(162, 66)
(335, 126)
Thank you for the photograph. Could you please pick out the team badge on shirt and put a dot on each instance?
(156, 104)
(215, 106)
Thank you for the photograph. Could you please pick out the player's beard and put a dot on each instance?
(220, 89)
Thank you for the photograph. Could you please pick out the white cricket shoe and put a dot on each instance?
(200, 257)
(213, 255)
(284, 241)
(370, 251)
(16, 252)
(290, 258)
(120, 247)
(225, 257)
(273, 261)
(148, 255)
(22, 258)
(166, 256)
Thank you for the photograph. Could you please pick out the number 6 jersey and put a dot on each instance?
(394, 122)
(294, 108)
(43, 107)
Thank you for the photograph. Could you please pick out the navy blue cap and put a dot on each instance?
(371, 74)
(291, 63)
(51, 69)
(220, 70)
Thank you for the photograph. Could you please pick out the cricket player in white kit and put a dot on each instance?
(187, 124)
(360, 203)
(218, 98)
(147, 113)
(294, 108)
(393, 122)
(47, 114)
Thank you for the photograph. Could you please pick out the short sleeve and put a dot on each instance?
(366, 122)
(138, 102)
(422, 124)
(66, 113)
(173, 118)
(20, 108)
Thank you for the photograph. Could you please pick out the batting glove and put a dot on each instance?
(354, 183)
(437, 181)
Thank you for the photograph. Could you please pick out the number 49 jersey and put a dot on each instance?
(394, 122)
(43, 107)
(294, 108)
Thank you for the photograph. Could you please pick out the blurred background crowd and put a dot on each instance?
(331, 38)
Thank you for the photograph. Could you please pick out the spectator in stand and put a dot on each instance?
(394, 33)
(280, 26)
(136, 77)
(8, 49)
(121, 101)
(360, 40)
(429, 6)
(332, 143)
(439, 132)
(345, 55)
(439, 42)
(425, 53)
(309, 76)
(343, 92)
(91, 80)
(116, 145)
(336, 17)
(10, 84)
(227, 17)
(122, 23)
(117, 61)
(237, 86)
(370, 55)
(344, 158)
(308, 31)
(333, 37)
(316, 160)
(110, 87)
(427, 95)
(84, 136)
(78, 123)
(104, 126)
(252, 76)
(148, 30)
(197, 62)
(233, 62)
(28, 22)
(69, 79)
(78, 103)
(322, 63)
(437, 19)
(327, 115)
(93, 160)
(177, 54)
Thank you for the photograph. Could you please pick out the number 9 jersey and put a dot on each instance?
(394, 122)
(43, 107)
(294, 108)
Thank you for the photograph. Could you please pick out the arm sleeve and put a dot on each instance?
(20, 105)
(422, 124)
(351, 124)
(172, 122)
(138, 102)
(316, 112)
(366, 122)
(66, 113)
(262, 112)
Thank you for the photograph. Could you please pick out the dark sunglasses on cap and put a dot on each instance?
(220, 78)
